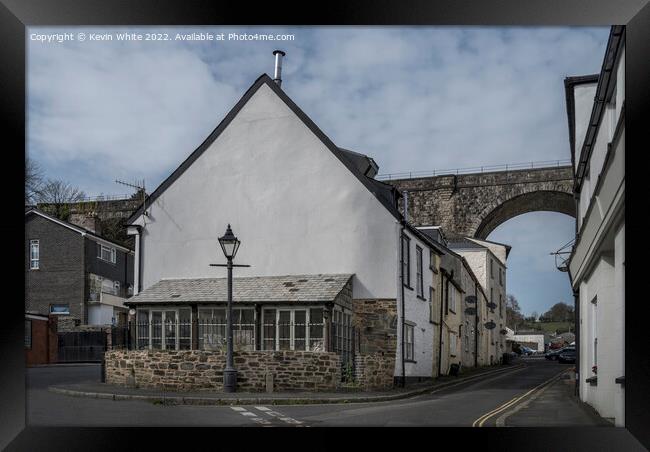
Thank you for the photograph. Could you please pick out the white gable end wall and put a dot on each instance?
(296, 208)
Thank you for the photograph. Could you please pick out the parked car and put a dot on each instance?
(567, 356)
(527, 351)
(552, 355)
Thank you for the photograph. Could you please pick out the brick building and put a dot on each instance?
(73, 273)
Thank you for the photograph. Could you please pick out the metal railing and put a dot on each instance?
(475, 169)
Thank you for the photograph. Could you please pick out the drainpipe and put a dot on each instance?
(442, 291)
(401, 270)
(476, 326)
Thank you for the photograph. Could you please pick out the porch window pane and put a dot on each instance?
(269, 330)
(170, 330)
(156, 329)
(212, 329)
(284, 325)
(184, 329)
(243, 329)
(300, 327)
(316, 330)
(142, 321)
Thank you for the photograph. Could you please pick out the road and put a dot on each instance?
(462, 405)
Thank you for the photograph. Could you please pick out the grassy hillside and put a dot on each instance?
(549, 327)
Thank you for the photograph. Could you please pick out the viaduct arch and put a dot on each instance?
(475, 204)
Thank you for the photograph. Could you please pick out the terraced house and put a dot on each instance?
(335, 270)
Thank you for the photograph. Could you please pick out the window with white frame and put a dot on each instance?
(452, 343)
(452, 297)
(106, 253)
(406, 261)
(59, 309)
(419, 272)
(409, 342)
(212, 328)
(292, 329)
(164, 328)
(34, 254)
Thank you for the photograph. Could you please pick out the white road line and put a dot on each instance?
(278, 415)
(238, 408)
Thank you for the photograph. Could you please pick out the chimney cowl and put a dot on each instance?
(277, 75)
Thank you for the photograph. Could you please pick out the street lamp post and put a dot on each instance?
(229, 244)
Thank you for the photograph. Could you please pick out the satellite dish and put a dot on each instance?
(132, 311)
(490, 325)
(470, 299)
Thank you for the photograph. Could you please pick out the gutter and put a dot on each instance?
(442, 291)
(476, 326)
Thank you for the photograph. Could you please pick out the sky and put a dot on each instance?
(413, 98)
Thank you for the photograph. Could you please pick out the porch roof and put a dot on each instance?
(255, 289)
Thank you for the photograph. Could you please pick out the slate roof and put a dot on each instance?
(464, 243)
(257, 289)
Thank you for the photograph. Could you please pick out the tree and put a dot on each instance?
(560, 312)
(514, 317)
(55, 196)
(33, 180)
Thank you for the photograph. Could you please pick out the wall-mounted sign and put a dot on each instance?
(470, 299)
(470, 311)
(490, 325)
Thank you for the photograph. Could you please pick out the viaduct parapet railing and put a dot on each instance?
(475, 169)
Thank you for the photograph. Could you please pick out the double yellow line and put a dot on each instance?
(480, 421)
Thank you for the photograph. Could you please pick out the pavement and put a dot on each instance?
(97, 390)
(555, 404)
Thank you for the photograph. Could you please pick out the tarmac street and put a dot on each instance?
(481, 401)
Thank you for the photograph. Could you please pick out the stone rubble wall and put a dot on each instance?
(376, 320)
(374, 372)
(190, 370)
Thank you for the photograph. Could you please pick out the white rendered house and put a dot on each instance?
(596, 112)
(300, 206)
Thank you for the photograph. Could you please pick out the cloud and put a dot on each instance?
(412, 97)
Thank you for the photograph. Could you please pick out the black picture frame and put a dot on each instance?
(16, 15)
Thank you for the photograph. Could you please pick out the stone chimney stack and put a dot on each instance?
(87, 221)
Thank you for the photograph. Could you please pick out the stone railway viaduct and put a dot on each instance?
(475, 204)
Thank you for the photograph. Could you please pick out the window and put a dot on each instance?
(452, 343)
(59, 309)
(432, 260)
(452, 297)
(293, 329)
(491, 299)
(419, 277)
(432, 297)
(491, 269)
(212, 328)
(164, 329)
(106, 253)
(501, 305)
(594, 330)
(406, 261)
(500, 276)
(34, 254)
(409, 343)
(28, 333)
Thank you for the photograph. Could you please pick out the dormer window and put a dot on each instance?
(106, 253)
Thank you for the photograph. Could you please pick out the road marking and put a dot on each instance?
(481, 420)
(238, 408)
(252, 416)
(278, 415)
